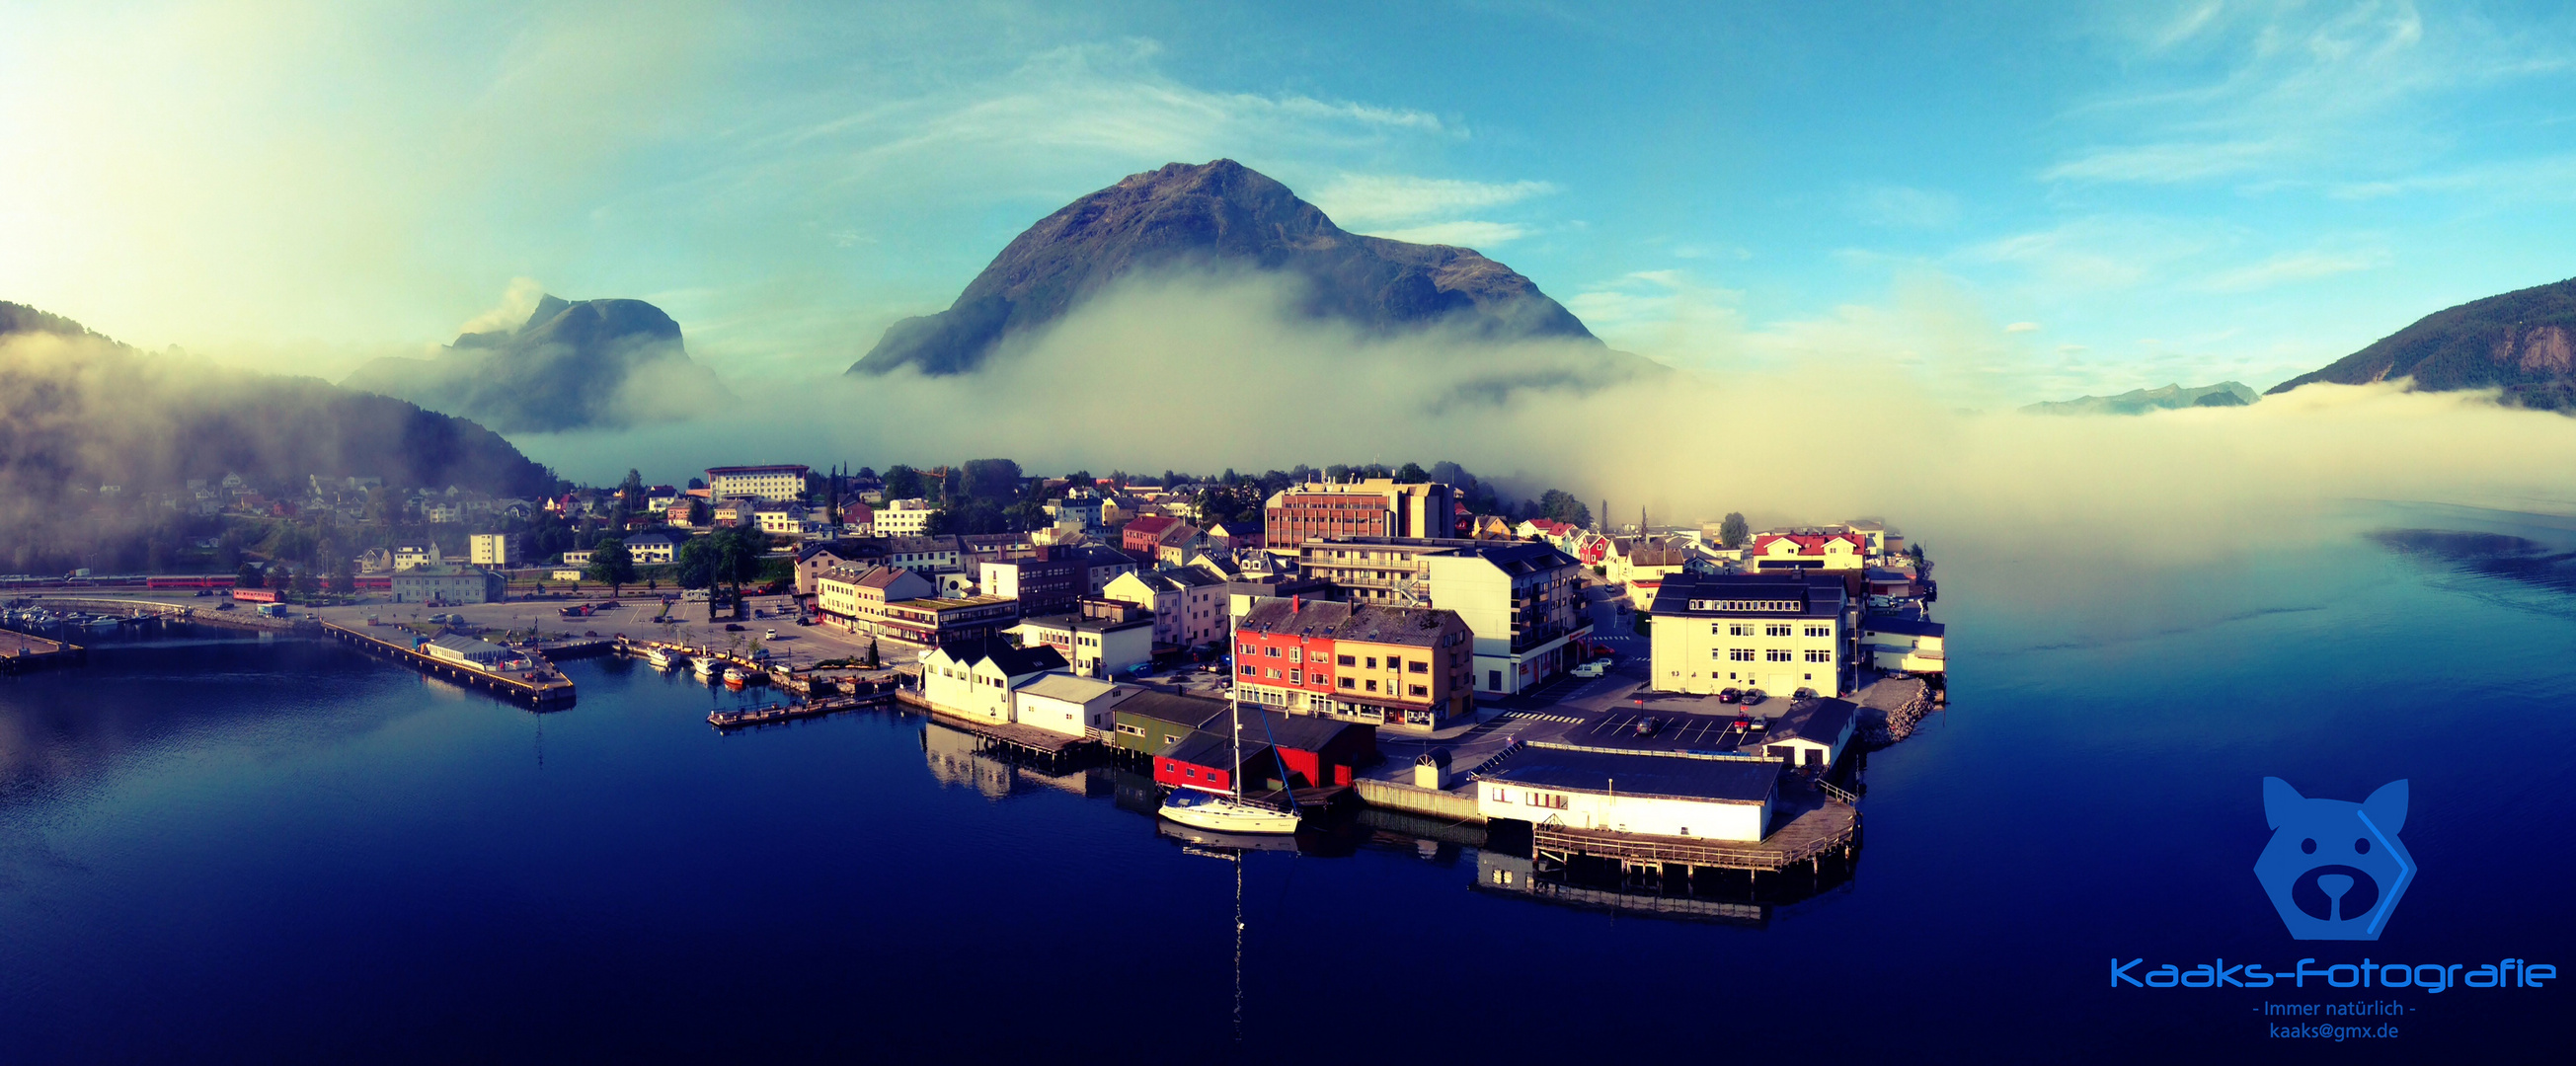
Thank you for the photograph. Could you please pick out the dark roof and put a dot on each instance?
(1823, 595)
(1299, 732)
(1085, 623)
(1912, 627)
(1520, 557)
(1822, 721)
(1012, 661)
(1194, 712)
(1642, 774)
(1213, 749)
(1369, 623)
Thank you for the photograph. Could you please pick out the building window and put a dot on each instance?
(1420, 666)
(1294, 679)
(1739, 655)
(1350, 683)
(1346, 660)
(1777, 630)
(1251, 671)
(1247, 649)
(1271, 652)
(1776, 655)
(1820, 656)
(1416, 690)
(1372, 663)
(1739, 631)
(1820, 631)
(1372, 686)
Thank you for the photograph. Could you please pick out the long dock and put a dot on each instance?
(727, 721)
(25, 651)
(547, 691)
(184, 612)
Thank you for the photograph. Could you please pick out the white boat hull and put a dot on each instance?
(1224, 814)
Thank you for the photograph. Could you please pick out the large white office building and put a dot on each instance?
(1776, 632)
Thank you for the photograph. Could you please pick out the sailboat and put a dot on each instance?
(1229, 812)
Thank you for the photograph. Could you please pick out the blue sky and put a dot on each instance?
(2058, 201)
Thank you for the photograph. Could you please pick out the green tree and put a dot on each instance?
(997, 480)
(248, 577)
(904, 483)
(611, 565)
(631, 490)
(872, 653)
(344, 578)
(1733, 530)
(1411, 473)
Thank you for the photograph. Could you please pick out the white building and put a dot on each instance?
(1776, 632)
(1097, 647)
(650, 549)
(903, 518)
(785, 481)
(1524, 603)
(1665, 794)
(1820, 549)
(494, 549)
(1189, 605)
(1903, 642)
(974, 679)
(1063, 703)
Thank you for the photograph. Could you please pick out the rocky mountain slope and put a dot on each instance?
(2523, 342)
(78, 410)
(594, 363)
(1216, 216)
(2141, 401)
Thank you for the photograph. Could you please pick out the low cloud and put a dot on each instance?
(2294, 267)
(1198, 376)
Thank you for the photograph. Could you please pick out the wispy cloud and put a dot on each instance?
(2171, 162)
(1361, 200)
(1904, 207)
(1464, 234)
(2290, 267)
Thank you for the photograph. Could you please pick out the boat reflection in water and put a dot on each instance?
(1234, 842)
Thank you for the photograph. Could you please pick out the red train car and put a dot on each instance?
(255, 595)
(190, 581)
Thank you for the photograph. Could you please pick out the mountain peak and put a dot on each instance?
(1208, 214)
(2523, 342)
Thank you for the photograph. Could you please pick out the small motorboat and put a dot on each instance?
(734, 677)
(663, 659)
(703, 667)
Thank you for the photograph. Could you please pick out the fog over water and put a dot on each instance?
(1906, 417)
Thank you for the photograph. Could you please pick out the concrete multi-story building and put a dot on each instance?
(1780, 633)
(897, 604)
(444, 584)
(1105, 639)
(1400, 667)
(1045, 583)
(783, 481)
(902, 518)
(494, 549)
(1188, 605)
(1522, 599)
(1379, 507)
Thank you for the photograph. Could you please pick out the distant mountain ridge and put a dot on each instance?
(1212, 216)
(88, 411)
(2141, 401)
(571, 365)
(2522, 342)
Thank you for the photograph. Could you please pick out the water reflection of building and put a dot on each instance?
(956, 758)
(1504, 873)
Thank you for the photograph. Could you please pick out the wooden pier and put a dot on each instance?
(1051, 751)
(744, 718)
(548, 690)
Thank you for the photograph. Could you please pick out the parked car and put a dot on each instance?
(1595, 668)
(1648, 724)
(772, 635)
(1753, 696)
(733, 627)
(1729, 695)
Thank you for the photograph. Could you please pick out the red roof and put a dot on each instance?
(1808, 543)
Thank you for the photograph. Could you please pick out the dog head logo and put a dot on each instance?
(2334, 869)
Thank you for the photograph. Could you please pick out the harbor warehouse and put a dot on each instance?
(1654, 794)
(447, 585)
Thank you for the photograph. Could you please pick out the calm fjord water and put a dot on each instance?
(223, 849)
